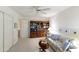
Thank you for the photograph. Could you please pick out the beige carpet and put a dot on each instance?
(27, 45)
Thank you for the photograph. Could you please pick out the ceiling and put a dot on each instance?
(29, 11)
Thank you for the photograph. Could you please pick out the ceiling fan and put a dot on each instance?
(41, 10)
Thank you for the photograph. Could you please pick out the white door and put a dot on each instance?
(8, 32)
(1, 32)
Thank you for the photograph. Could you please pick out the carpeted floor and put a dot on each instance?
(27, 45)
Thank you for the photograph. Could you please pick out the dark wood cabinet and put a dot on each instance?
(38, 28)
(33, 34)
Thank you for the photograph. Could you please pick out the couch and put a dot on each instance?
(59, 43)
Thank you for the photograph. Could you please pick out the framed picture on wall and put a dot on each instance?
(15, 25)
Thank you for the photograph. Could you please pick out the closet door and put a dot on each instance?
(8, 32)
(1, 32)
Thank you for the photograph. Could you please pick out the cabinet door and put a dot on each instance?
(1, 32)
(8, 32)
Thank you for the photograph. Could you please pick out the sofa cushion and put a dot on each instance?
(55, 37)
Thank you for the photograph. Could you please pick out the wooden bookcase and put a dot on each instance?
(38, 28)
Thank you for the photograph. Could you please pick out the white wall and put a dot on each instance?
(9, 11)
(25, 28)
(15, 30)
(68, 20)
(8, 34)
(53, 28)
(1, 31)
